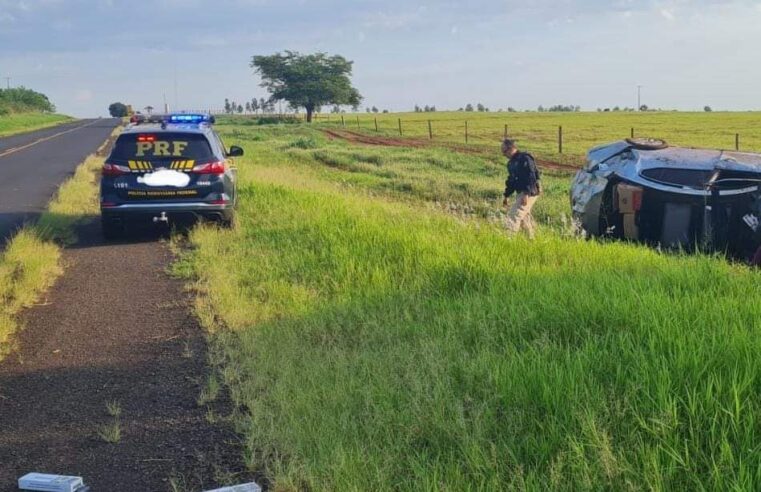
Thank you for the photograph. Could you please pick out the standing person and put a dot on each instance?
(523, 179)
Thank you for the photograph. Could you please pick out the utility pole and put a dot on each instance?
(639, 98)
(166, 108)
(176, 105)
(7, 82)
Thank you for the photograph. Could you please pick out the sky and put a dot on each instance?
(86, 54)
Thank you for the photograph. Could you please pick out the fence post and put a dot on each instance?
(737, 141)
(466, 131)
(343, 122)
(632, 132)
(560, 140)
(430, 131)
(376, 124)
(400, 127)
(505, 132)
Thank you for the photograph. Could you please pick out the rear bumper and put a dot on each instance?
(165, 207)
(175, 212)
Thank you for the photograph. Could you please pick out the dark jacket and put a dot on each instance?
(522, 175)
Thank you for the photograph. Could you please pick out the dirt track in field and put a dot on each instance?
(363, 139)
(116, 328)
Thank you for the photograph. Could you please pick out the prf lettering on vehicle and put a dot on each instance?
(160, 148)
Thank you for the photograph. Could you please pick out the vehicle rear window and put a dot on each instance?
(161, 145)
(691, 178)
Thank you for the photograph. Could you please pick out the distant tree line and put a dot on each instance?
(425, 109)
(253, 106)
(479, 107)
(559, 108)
(21, 100)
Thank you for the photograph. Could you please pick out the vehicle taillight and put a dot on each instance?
(110, 169)
(217, 167)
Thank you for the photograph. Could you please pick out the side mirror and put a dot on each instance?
(235, 151)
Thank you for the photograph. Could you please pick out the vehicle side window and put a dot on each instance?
(221, 144)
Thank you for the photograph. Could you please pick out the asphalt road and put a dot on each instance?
(33, 165)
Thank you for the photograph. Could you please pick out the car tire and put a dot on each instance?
(228, 222)
(647, 143)
(111, 229)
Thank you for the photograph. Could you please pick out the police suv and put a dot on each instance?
(175, 171)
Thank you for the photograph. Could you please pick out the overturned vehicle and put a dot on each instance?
(646, 190)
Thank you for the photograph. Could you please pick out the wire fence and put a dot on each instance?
(563, 138)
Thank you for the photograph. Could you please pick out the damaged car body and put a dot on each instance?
(673, 197)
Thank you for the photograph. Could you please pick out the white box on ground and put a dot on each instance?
(245, 487)
(49, 483)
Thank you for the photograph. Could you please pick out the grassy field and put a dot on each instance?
(378, 330)
(23, 122)
(30, 262)
(538, 132)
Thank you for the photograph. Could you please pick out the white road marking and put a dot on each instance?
(44, 139)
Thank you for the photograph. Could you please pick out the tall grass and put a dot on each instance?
(28, 266)
(379, 344)
(22, 122)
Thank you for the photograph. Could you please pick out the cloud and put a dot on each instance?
(395, 21)
(667, 14)
(83, 95)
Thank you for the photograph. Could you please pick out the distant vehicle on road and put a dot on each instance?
(646, 190)
(174, 170)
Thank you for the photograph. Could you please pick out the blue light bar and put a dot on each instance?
(190, 118)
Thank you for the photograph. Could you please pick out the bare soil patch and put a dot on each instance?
(363, 139)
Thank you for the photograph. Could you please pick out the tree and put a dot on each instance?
(307, 80)
(469, 107)
(480, 107)
(118, 110)
(227, 106)
(707, 109)
(255, 105)
(643, 107)
(375, 110)
(239, 108)
(248, 107)
(21, 99)
(148, 109)
(263, 105)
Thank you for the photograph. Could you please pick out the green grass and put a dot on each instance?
(538, 132)
(23, 122)
(376, 340)
(29, 265)
(111, 432)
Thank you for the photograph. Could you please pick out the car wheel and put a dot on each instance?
(647, 143)
(228, 222)
(111, 229)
